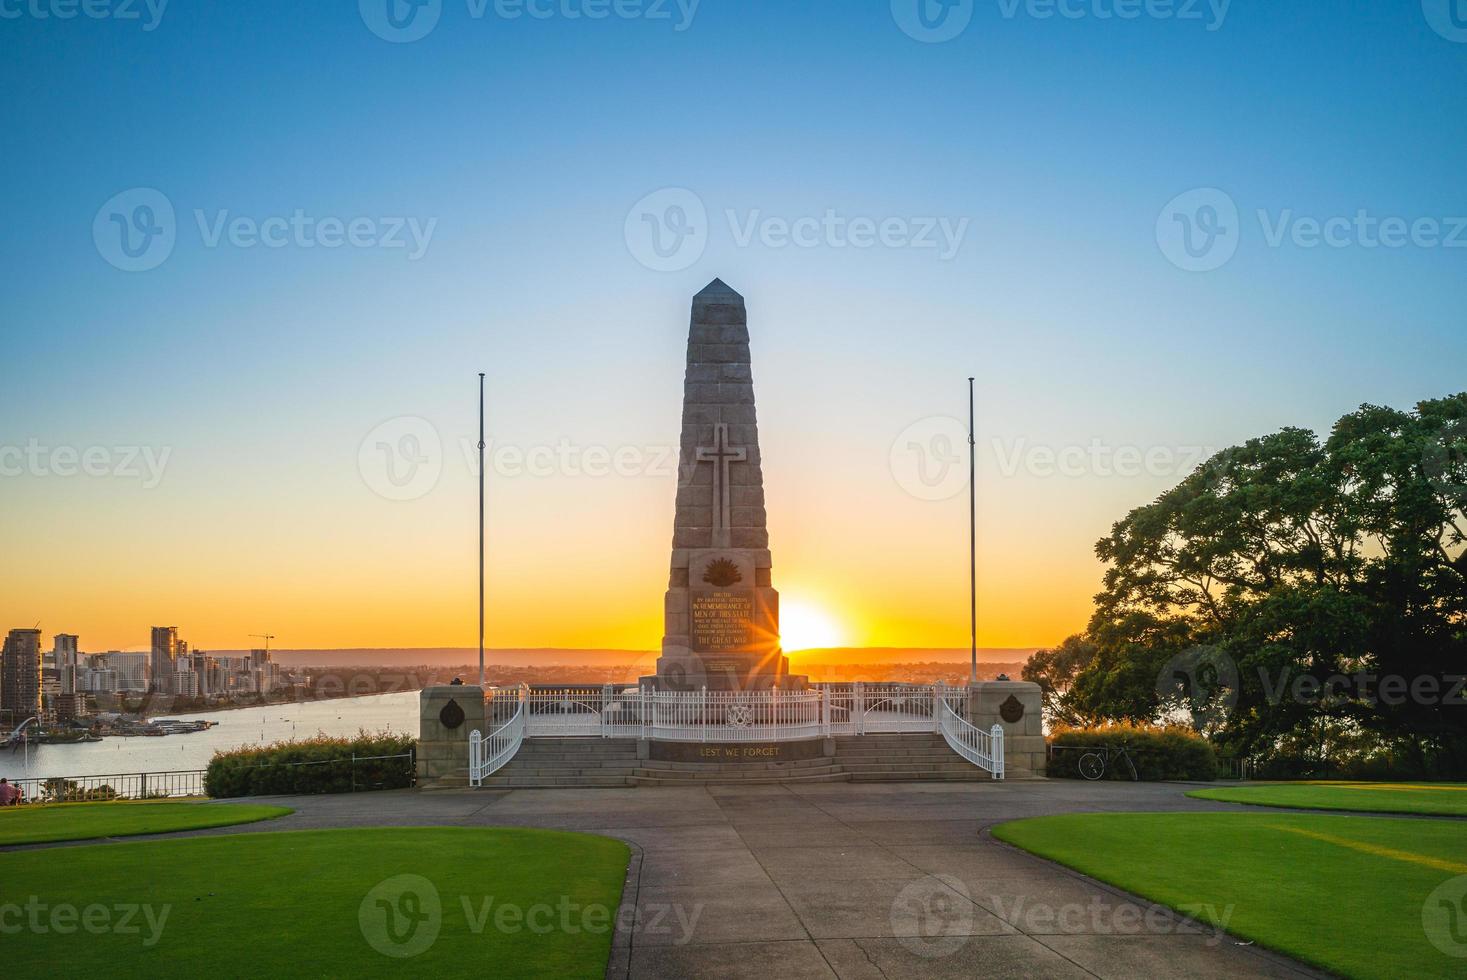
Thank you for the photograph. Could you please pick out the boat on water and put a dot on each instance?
(72, 737)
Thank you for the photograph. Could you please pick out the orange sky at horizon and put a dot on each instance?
(560, 574)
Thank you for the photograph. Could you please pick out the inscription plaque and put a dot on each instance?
(721, 621)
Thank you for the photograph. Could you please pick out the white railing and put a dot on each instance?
(734, 716)
(983, 749)
(887, 707)
(118, 786)
(616, 711)
(488, 755)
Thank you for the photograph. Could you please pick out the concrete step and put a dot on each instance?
(751, 776)
(974, 775)
(942, 765)
(540, 772)
(724, 779)
(818, 763)
(501, 781)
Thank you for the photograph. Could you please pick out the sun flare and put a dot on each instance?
(803, 626)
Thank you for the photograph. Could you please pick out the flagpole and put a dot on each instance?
(481, 528)
(972, 543)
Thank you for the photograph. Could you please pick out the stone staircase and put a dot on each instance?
(903, 759)
(591, 762)
(549, 762)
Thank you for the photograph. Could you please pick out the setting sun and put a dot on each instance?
(803, 626)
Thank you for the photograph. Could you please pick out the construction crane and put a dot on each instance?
(267, 637)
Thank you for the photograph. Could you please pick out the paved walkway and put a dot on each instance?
(848, 880)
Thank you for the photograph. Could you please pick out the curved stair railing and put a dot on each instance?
(488, 755)
(983, 749)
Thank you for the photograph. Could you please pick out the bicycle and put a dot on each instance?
(1097, 758)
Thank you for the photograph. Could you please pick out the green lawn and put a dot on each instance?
(441, 902)
(1441, 799)
(1344, 893)
(33, 824)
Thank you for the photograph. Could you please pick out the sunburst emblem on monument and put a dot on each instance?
(740, 715)
(722, 573)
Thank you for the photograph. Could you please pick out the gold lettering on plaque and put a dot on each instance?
(722, 620)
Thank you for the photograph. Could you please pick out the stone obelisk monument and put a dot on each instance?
(721, 612)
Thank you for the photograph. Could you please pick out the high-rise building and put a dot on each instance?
(185, 684)
(20, 675)
(129, 670)
(63, 652)
(166, 648)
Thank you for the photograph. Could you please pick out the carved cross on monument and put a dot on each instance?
(721, 454)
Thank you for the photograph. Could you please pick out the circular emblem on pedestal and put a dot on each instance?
(452, 715)
(740, 715)
(1011, 710)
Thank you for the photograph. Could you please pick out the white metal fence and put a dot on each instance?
(488, 755)
(115, 786)
(823, 710)
(983, 749)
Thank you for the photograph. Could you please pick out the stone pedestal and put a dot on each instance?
(1019, 707)
(443, 747)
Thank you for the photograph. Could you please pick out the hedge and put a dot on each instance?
(1158, 753)
(315, 765)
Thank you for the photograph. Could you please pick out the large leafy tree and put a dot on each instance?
(1315, 569)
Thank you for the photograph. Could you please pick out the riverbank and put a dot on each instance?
(259, 725)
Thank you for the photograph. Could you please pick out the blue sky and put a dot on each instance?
(527, 142)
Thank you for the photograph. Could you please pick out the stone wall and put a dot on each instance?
(443, 751)
(996, 702)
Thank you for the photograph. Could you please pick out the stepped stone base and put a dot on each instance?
(589, 762)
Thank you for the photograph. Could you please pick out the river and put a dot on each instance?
(239, 726)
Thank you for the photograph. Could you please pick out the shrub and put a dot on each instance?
(315, 765)
(1158, 753)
